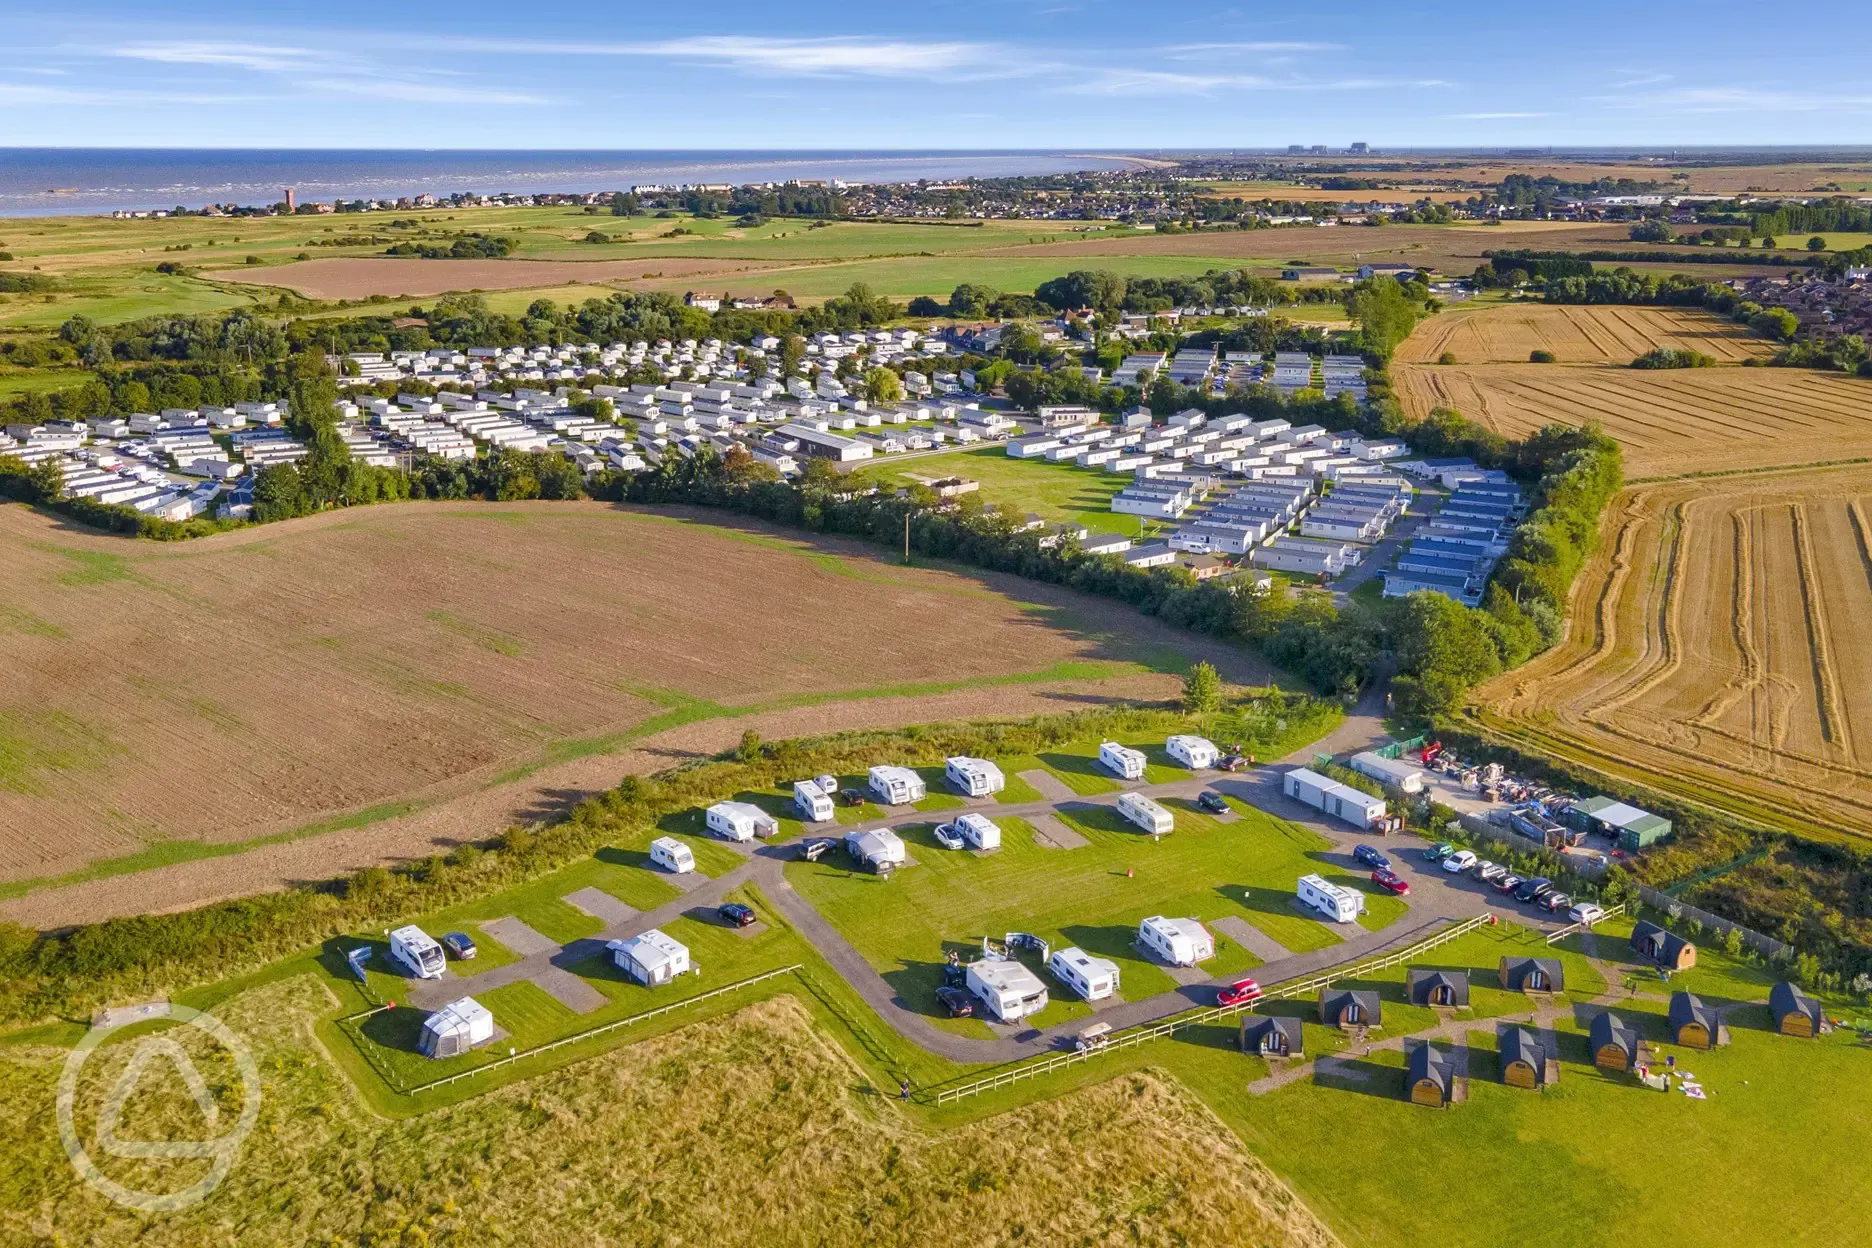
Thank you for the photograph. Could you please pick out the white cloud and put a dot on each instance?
(242, 55)
(1730, 99)
(1188, 51)
(1495, 116)
(1170, 82)
(24, 93)
(420, 92)
(816, 57)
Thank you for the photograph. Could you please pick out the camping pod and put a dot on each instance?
(1428, 1079)
(1532, 975)
(1265, 1036)
(1667, 949)
(1695, 1024)
(1796, 1013)
(1614, 1042)
(1523, 1058)
(1430, 987)
(1349, 1007)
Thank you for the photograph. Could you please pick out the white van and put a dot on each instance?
(813, 803)
(414, 949)
(672, 855)
(1339, 904)
(1121, 760)
(1195, 753)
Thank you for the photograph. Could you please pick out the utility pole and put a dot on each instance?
(906, 537)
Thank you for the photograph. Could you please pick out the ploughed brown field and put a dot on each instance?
(1720, 645)
(363, 276)
(1577, 335)
(257, 682)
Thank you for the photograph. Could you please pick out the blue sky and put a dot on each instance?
(1085, 75)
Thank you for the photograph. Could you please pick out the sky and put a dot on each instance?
(1077, 75)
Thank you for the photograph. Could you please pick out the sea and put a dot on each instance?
(61, 181)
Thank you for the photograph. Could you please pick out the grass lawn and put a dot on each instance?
(1055, 492)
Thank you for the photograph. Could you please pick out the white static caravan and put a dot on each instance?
(455, 1028)
(672, 855)
(414, 949)
(1180, 942)
(897, 786)
(1092, 978)
(1339, 904)
(813, 803)
(1146, 814)
(1384, 770)
(740, 821)
(1195, 753)
(1121, 760)
(979, 831)
(650, 958)
(878, 849)
(1361, 810)
(974, 777)
(1008, 989)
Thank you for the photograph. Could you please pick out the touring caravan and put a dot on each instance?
(880, 849)
(455, 1028)
(1121, 760)
(974, 777)
(1328, 796)
(813, 803)
(1180, 942)
(1008, 989)
(672, 855)
(1092, 978)
(979, 831)
(740, 821)
(1146, 814)
(897, 786)
(1339, 904)
(414, 949)
(1195, 753)
(650, 958)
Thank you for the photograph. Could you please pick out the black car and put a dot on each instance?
(1531, 890)
(735, 914)
(1372, 858)
(955, 1000)
(1213, 803)
(1554, 902)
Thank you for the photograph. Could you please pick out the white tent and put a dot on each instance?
(650, 958)
(456, 1028)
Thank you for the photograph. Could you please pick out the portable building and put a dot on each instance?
(979, 831)
(1615, 1042)
(1525, 1061)
(1631, 827)
(1195, 753)
(1008, 989)
(455, 1028)
(1425, 986)
(1429, 1078)
(1390, 771)
(414, 949)
(1696, 1024)
(740, 821)
(880, 849)
(1337, 903)
(650, 957)
(1525, 974)
(1667, 949)
(1796, 1013)
(1328, 796)
(897, 786)
(813, 803)
(1350, 1007)
(1275, 1036)
(1121, 760)
(1146, 814)
(672, 855)
(974, 777)
(1180, 942)
(1092, 978)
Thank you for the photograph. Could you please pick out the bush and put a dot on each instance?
(1538, 356)
(1448, 357)
(1673, 357)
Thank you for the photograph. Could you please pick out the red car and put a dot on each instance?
(1390, 881)
(1240, 992)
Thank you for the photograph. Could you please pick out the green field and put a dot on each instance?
(1054, 492)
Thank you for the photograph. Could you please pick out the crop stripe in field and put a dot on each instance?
(1670, 643)
(1819, 641)
(1862, 536)
(1742, 629)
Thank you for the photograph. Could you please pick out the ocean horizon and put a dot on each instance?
(74, 181)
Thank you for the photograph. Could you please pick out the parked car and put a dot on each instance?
(1586, 912)
(737, 915)
(1213, 802)
(1439, 851)
(1534, 888)
(1240, 992)
(1507, 882)
(956, 1001)
(852, 797)
(1371, 858)
(1459, 861)
(1553, 902)
(1390, 881)
(815, 849)
(1231, 762)
(460, 945)
(949, 836)
(1487, 871)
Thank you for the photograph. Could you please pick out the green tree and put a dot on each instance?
(750, 748)
(971, 299)
(311, 392)
(1816, 243)
(1385, 314)
(276, 493)
(1202, 690)
(883, 385)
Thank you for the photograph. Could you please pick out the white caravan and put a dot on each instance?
(1121, 760)
(1337, 903)
(813, 803)
(1092, 978)
(974, 777)
(1180, 942)
(1195, 753)
(1146, 814)
(672, 855)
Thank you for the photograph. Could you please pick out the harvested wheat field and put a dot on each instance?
(1720, 646)
(363, 276)
(744, 1130)
(1670, 422)
(317, 675)
(1591, 334)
